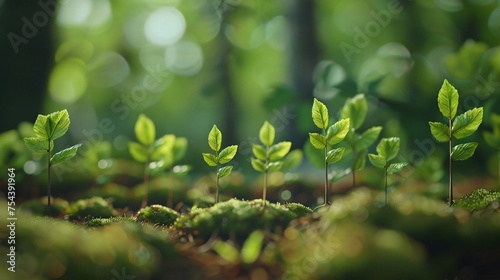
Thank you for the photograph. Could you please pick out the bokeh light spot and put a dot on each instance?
(67, 81)
(165, 26)
(184, 58)
(107, 69)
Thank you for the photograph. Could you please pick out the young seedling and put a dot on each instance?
(356, 109)
(156, 155)
(459, 127)
(493, 138)
(220, 157)
(269, 156)
(387, 149)
(330, 136)
(47, 128)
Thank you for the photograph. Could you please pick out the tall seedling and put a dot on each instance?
(156, 154)
(47, 128)
(493, 138)
(220, 157)
(330, 135)
(387, 149)
(356, 109)
(459, 127)
(268, 157)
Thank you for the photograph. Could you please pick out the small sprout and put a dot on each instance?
(356, 109)
(156, 154)
(269, 156)
(330, 135)
(47, 128)
(459, 127)
(387, 149)
(220, 157)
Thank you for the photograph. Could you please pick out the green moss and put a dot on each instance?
(39, 206)
(299, 209)
(99, 222)
(235, 218)
(478, 199)
(157, 214)
(95, 207)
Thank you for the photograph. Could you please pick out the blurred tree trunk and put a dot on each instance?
(303, 54)
(26, 52)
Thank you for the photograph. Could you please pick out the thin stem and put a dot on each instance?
(48, 182)
(353, 147)
(217, 178)
(327, 187)
(450, 198)
(265, 188)
(386, 185)
(146, 184)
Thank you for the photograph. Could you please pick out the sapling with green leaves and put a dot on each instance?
(268, 156)
(156, 154)
(47, 128)
(220, 157)
(355, 109)
(459, 127)
(330, 135)
(387, 150)
(492, 138)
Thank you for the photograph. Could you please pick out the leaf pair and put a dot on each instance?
(47, 128)
(387, 150)
(269, 156)
(332, 135)
(462, 125)
(221, 156)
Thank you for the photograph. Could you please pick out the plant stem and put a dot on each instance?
(385, 185)
(450, 198)
(327, 189)
(146, 184)
(264, 192)
(353, 147)
(217, 178)
(48, 182)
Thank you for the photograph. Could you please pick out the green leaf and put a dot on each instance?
(138, 152)
(145, 130)
(279, 150)
(252, 247)
(377, 160)
(355, 109)
(320, 114)
(467, 123)
(337, 132)
(224, 171)
(180, 148)
(367, 138)
(334, 155)
(258, 165)
(59, 123)
(491, 140)
(440, 131)
(388, 148)
(215, 139)
(38, 145)
(210, 159)
(274, 166)
(360, 160)
(266, 134)
(226, 251)
(317, 140)
(396, 167)
(448, 100)
(64, 155)
(463, 151)
(292, 160)
(42, 128)
(163, 147)
(259, 152)
(227, 154)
